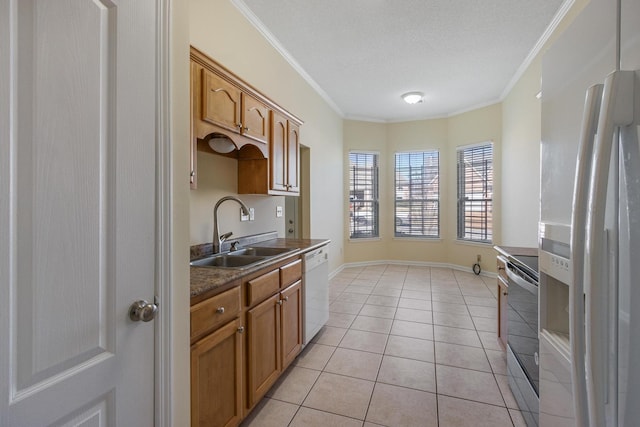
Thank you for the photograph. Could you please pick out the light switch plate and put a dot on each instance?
(278, 211)
(252, 214)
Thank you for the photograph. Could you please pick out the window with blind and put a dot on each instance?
(417, 194)
(475, 193)
(363, 195)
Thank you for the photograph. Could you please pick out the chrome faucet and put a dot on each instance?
(217, 238)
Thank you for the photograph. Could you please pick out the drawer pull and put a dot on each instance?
(220, 310)
(241, 329)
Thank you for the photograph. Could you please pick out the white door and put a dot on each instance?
(77, 211)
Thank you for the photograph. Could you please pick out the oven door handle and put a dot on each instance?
(522, 282)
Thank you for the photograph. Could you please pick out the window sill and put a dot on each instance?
(472, 243)
(364, 239)
(418, 239)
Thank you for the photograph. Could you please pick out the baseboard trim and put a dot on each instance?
(415, 263)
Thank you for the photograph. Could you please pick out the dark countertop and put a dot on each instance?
(208, 279)
(515, 250)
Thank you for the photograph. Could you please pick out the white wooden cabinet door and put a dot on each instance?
(77, 211)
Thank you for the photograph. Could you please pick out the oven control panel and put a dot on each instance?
(555, 266)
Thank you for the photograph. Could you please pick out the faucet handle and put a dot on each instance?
(234, 246)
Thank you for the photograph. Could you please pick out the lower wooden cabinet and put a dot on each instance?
(503, 292)
(242, 341)
(216, 377)
(274, 339)
(291, 323)
(263, 347)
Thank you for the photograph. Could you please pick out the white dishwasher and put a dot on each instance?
(316, 292)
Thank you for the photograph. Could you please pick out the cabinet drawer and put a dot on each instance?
(291, 273)
(214, 311)
(262, 287)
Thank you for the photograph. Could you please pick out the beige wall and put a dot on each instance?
(521, 161)
(218, 29)
(484, 124)
(218, 177)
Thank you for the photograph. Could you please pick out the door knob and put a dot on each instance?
(142, 310)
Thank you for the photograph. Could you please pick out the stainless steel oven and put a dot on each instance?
(522, 334)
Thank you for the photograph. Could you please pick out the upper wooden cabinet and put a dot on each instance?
(255, 119)
(220, 102)
(284, 152)
(223, 105)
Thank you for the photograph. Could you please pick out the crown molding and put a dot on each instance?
(259, 25)
(542, 41)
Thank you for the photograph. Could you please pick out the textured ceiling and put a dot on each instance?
(361, 55)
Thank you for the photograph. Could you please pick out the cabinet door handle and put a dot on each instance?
(241, 329)
(500, 268)
(220, 310)
(239, 125)
(279, 302)
(505, 293)
(246, 129)
(286, 298)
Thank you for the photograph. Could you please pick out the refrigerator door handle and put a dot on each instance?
(588, 132)
(616, 110)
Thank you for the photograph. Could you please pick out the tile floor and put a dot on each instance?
(404, 346)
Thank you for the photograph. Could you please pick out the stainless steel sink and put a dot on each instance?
(266, 252)
(242, 258)
(229, 261)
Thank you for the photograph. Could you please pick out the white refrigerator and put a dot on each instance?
(590, 220)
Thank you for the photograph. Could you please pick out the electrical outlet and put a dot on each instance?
(252, 214)
(278, 211)
(245, 217)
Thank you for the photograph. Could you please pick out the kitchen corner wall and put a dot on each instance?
(444, 135)
(218, 28)
(521, 161)
(521, 133)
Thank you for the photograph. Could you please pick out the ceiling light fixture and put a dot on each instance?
(413, 97)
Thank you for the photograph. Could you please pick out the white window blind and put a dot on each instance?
(417, 194)
(475, 193)
(363, 195)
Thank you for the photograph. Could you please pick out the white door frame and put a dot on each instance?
(164, 197)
